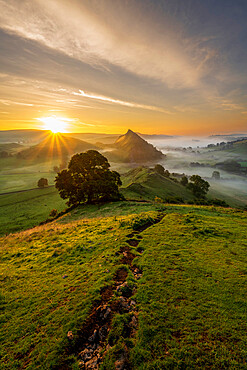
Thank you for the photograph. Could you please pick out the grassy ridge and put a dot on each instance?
(145, 183)
(190, 298)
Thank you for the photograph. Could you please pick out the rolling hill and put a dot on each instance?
(55, 146)
(239, 147)
(145, 183)
(23, 136)
(9, 149)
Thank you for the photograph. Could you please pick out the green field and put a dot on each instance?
(24, 210)
(18, 174)
(234, 195)
(161, 289)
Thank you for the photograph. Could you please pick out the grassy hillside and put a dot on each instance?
(234, 194)
(56, 145)
(147, 291)
(240, 147)
(20, 211)
(145, 183)
(11, 148)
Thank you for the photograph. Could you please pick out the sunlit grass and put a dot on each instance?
(191, 297)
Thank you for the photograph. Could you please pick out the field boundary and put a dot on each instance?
(22, 191)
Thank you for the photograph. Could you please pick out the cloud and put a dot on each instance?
(112, 33)
(225, 104)
(10, 102)
(120, 102)
(231, 106)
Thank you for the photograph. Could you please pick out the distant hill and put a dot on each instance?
(132, 148)
(94, 137)
(156, 137)
(23, 136)
(229, 137)
(55, 146)
(9, 149)
(239, 147)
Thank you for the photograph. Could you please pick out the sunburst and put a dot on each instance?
(54, 124)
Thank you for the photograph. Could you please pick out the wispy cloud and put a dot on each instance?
(120, 102)
(93, 32)
(10, 102)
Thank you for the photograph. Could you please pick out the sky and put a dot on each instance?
(176, 67)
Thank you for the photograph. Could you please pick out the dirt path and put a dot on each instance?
(92, 341)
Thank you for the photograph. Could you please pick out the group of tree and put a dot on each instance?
(161, 170)
(88, 179)
(198, 186)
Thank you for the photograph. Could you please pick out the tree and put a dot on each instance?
(42, 182)
(198, 186)
(88, 180)
(216, 175)
(159, 169)
(184, 181)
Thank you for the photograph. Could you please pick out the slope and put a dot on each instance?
(56, 145)
(148, 291)
(145, 183)
(239, 147)
(132, 148)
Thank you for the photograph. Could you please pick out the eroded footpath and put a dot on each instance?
(114, 317)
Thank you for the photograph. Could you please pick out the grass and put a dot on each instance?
(19, 174)
(144, 183)
(115, 209)
(24, 210)
(190, 298)
(235, 195)
(50, 280)
(192, 294)
(23, 181)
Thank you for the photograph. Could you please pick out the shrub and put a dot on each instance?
(53, 212)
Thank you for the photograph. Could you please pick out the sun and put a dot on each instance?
(54, 124)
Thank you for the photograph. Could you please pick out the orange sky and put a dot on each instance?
(159, 68)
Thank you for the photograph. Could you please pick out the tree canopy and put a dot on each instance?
(184, 181)
(42, 182)
(198, 186)
(161, 170)
(88, 179)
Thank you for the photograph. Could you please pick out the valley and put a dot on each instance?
(154, 281)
